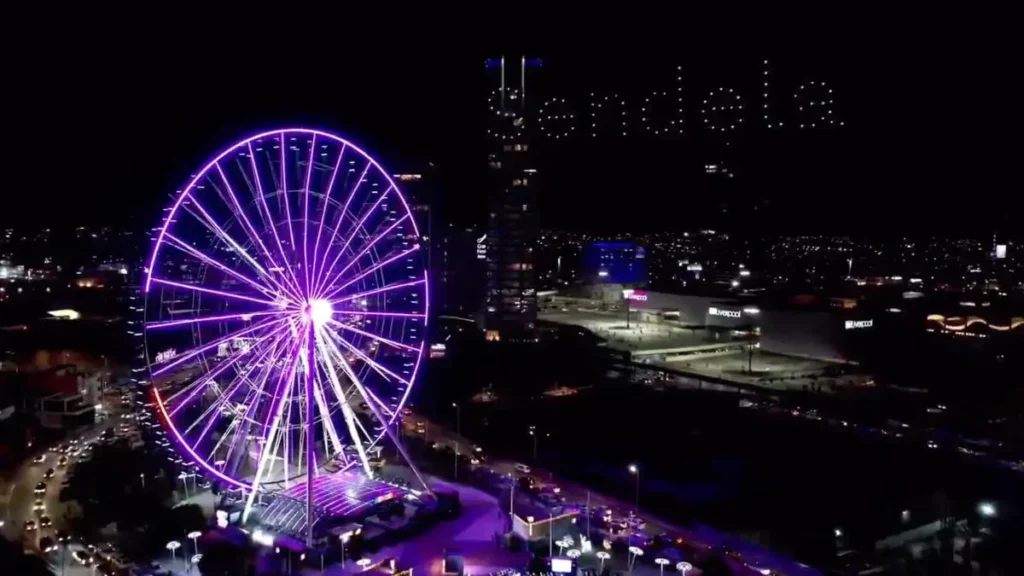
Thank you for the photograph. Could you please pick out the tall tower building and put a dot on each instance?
(511, 299)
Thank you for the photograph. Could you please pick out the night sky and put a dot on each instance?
(106, 130)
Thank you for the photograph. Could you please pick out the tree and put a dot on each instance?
(14, 560)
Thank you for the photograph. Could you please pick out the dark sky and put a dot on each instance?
(108, 125)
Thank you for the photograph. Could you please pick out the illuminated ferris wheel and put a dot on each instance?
(286, 310)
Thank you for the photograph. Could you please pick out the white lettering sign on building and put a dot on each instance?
(634, 295)
(855, 324)
(724, 313)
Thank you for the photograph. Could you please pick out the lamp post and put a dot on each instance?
(533, 434)
(194, 537)
(602, 556)
(344, 540)
(635, 471)
(184, 482)
(458, 435)
(661, 562)
(684, 568)
(62, 538)
(173, 546)
(634, 551)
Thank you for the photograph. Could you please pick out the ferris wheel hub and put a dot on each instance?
(319, 311)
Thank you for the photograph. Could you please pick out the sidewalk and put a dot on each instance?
(752, 555)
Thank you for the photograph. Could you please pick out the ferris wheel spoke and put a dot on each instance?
(178, 360)
(370, 270)
(382, 314)
(245, 316)
(381, 339)
(271, 223)
(325, 416)
(184, 247)
(305, 214)
(221, 293)
(346, 410)
(369, 245)
(199, 383)
(210, 223)
(251, 231)
(378, 368)
(348, 241)
(323, 210)
(386, 423)
(284, 194)
(385, 288)
(230, 391)
(272, 424)
(337, 225)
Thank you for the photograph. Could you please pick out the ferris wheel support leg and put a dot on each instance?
(310, 465)
(387, 430)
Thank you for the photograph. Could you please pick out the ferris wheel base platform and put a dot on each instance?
(341, 496)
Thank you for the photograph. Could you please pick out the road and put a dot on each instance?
(746, 554)
(22, 496)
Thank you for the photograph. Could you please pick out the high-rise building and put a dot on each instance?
(511, 299)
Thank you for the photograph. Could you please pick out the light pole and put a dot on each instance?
(634, 551)
(194, 537)
(533, 433)
(458, 435)
(602, 556)
(661, 562)
(184, 482)
(173, 546)
(63, 539)
(344, 540)
(684, 568)
(143, 477)
(635, 471)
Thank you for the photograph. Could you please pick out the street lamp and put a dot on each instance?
(458, 435)
(194, 537)
(173, 546)
(63, 538)
(987, 509)
(635, 471)
(602, 556)
(634, 552)
(684, 568)
(661, 562)
(344, 540)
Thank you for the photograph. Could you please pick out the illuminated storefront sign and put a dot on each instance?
(854, 324)
(481, 248)
(724, 313)
(634, 295)
(166, 355)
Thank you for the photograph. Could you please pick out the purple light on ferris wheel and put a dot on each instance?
(236, 300)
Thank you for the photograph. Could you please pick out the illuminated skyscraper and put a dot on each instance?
(511, 300)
